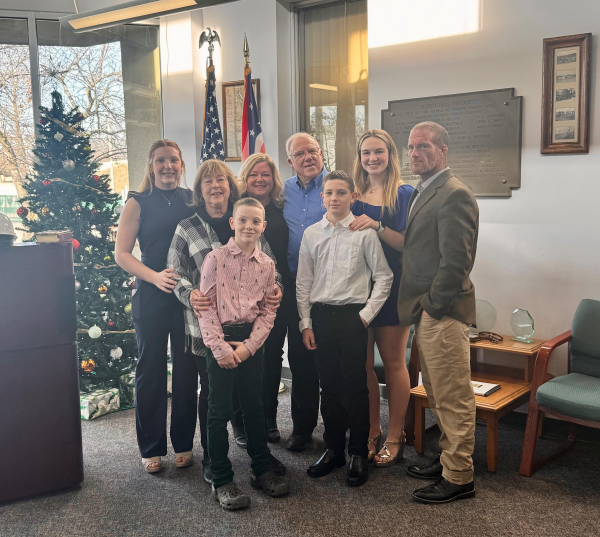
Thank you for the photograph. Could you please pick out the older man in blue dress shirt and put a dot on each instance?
(303, 207)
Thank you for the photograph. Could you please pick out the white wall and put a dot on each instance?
(183, 90)
(540, 249)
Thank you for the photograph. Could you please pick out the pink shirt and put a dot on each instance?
(237, 286)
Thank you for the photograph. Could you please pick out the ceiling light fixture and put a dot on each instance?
(127, 12)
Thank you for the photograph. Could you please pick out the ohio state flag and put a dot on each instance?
(252, 138)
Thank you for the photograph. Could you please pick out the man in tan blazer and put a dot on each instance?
(437, 295)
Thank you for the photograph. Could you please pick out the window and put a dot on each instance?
(334, 78)
(16, 114)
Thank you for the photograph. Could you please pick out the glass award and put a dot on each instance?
(521, 323)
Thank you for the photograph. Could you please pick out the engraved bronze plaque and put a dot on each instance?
(485, 136)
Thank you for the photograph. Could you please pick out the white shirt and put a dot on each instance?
(423, 186)
(336, 266)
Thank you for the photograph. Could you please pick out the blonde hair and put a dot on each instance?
(148, 180)
(250, 202)
(248, 166)
(213, 166)
(393, 180)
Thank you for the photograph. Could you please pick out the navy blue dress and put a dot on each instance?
(395, 220)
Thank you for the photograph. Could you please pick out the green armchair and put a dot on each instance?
(574, 397)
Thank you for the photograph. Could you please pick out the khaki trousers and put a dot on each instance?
(446, 369)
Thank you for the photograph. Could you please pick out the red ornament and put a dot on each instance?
(43, 121)
(132, 283)
(111, 324)
(96, 178)
(22, 212)
(76, 245)
(45, 182)
(94, 211)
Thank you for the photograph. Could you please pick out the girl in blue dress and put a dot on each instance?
(383, 206)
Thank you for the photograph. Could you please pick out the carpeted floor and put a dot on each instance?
(118, 498)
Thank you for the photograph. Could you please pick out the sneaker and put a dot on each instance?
(230, 498)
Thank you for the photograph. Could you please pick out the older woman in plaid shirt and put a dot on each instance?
(215, 191)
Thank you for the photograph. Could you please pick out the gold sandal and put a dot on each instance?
(186, 457)
(386, 459)
(151, 461)
(377, 443)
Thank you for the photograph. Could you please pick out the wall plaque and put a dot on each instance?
(485, 136)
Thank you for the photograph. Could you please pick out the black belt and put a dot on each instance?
(237, 332)
(338, 308)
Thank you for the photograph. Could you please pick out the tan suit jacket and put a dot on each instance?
(439, 252)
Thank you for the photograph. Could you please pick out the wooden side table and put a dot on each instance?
(515, 388)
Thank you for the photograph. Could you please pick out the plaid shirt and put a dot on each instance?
(194, 239)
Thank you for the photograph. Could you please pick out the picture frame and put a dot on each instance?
(566, 94)
(233, 103)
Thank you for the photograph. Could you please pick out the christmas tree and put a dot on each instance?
(64, 192)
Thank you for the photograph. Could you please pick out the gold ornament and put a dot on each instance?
(45, 211)
(87, 148)
(102, 289)
(127, 309)
(106, 258)
(88, 365)
(77, 208)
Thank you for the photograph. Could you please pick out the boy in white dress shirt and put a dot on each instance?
(335, 304)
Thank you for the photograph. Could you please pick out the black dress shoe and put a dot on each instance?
(206, 471)
(358, 471)
(277, 466)
(240, 437)
(273, 434)
(433, 470)
(298, 442)
(329, 461)
(442, 491)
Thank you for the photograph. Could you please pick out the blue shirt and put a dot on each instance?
(303, 208)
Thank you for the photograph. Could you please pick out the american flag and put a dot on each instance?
(212, 137)
(252, 138)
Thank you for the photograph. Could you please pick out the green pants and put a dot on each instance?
(248, 376)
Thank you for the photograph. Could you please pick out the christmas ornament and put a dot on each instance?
(96, 178)
(133, 283)
(115, 353)
(68, 165)
(77, 208)
(58, 137)
(22, 212)
(95, 332)
(43, 121)
(111, 324)
(102, 289)
(106, 259)
(76, 245)
(118, 210)
(94, 211)
(88, 365)
(77, 284)
(45, 211)
(127, 308)
(107, 283)
(87, 148)
(45, 182)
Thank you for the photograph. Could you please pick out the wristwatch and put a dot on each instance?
(380, 228)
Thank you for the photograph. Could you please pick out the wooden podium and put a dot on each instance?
(40, 427)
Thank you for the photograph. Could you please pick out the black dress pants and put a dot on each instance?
(152, 329)
(341, 361)
(305, 379)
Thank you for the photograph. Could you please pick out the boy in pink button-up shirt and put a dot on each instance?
(236, 278)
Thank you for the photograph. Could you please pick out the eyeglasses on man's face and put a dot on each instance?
(301, 155)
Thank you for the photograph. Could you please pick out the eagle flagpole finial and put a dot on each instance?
(209, 36)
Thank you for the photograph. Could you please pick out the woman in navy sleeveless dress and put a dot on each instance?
(150, 217)
(383, 205)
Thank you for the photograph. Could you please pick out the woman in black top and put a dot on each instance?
(260, 179)
(150, 217)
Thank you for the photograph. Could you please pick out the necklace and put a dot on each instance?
(168, 199)
(374, 189)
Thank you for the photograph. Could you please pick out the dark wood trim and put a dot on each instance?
(583, 41)
(224, 98)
